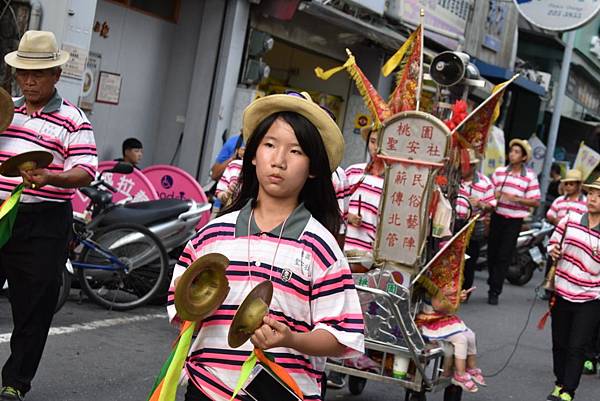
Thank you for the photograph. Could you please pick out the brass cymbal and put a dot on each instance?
(25, 161)
(7, 109)
(250, 314)
(202, 288)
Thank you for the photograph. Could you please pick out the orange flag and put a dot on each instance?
(409, 58)
(445, 269)
(473, 131)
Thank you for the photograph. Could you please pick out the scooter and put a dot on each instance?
(174, 221)
(531, 252)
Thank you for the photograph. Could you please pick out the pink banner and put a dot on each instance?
(134, 187)
(174, 183)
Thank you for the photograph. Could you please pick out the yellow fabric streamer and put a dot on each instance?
(397, 58)
(325, 75)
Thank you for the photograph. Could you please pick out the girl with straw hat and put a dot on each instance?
(279, 227)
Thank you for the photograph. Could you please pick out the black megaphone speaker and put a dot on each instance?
(449, 68)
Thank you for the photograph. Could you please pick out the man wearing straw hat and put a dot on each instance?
(517, 191)
(35, 255)
(575, 306)
(572, 201)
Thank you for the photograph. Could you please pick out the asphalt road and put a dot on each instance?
(99, 355)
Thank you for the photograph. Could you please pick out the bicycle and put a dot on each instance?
(120, 266)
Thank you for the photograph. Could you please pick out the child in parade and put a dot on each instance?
(575, 307)
(365, 181)
(280, 227)
(438, 323)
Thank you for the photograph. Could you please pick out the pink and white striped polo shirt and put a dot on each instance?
(231, 175)
(59, 128)
(367, 193)
(524, 184)
(578, 271)
(563, 205)
(341, 187)
(481, 188)
(313, 289)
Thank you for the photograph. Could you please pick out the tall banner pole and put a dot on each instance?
(420, 84)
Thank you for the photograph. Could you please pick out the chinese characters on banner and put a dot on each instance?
(420, 142)
(403, 213)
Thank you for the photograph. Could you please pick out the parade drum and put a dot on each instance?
(249, 316)
(7, 109)
(202, 288)
(172, 182)
(133, 187)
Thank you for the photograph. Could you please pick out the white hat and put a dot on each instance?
(37, 50)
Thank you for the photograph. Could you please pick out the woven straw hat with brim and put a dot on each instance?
(524, 144)
(302, 104)
(37, 50)
(593, 185)
(573, 175)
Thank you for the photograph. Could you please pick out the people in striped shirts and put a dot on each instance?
(476, 191)
(280, 227)
(341, 187)
(227, 186)
(35, 256)
(576, 303)
(573, 200)
(517, 191)
(365, 181)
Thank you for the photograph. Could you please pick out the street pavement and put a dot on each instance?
(98, 355)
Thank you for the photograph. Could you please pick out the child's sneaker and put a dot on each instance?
(477, 376)
(465, 382)
(555, 394)
(589, 367)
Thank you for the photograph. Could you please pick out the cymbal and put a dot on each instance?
(250, 314)
(36, 158)
(7, 109)
(202, 288)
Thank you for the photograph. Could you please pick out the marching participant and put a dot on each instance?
(478, 191)
(365, 182)
(575, 308)
(280, 227)
(34, 257)
(517, 191)
(572, 201)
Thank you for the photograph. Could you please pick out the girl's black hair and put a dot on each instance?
(317, 194)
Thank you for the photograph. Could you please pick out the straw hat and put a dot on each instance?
(573, 175)
(524, 144)
(302, 104)
(37, 50)
(593, 185)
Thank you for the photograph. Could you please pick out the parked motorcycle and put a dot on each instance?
(531, 252)
(173, 221)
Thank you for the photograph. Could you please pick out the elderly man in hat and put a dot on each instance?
(517, 191)
(476, 194)
(35, 255)
(575, 306)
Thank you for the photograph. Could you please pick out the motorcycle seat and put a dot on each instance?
(146, 213)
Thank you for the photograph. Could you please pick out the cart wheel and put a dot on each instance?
(356, 385)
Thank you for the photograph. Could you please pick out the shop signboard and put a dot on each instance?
(447, 15)
(558, 15)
